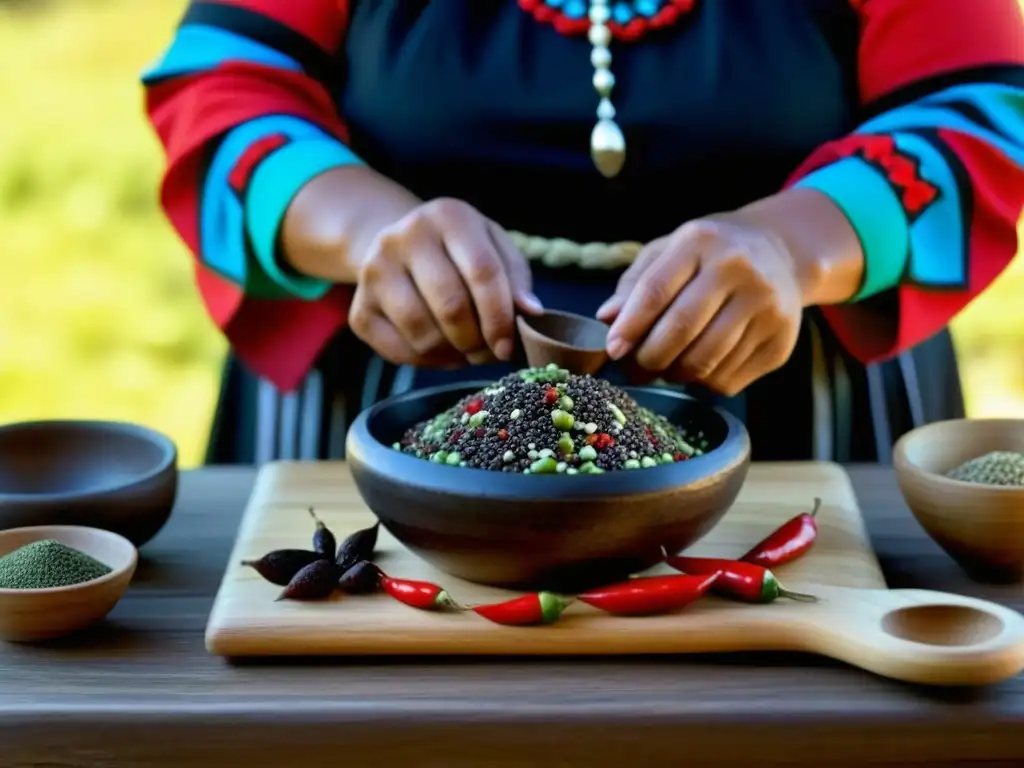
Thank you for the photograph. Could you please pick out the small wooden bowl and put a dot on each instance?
(43, 614)
(119, 477)
(570, 341)
(980, 526)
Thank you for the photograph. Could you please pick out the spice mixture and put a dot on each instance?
(547, 421)
(48, 563)
(995, 468)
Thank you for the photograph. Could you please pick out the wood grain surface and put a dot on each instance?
(141, 690)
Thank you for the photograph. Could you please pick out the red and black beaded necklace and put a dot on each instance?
(603, 21)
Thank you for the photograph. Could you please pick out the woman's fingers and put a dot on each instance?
(608, 311)
(400, 302)
(682, 323)
(518, 270)
(448, 300)
(761, 351)
(475, 256)
(654, 290)
(723, 334)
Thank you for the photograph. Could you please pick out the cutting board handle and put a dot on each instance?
(915, 635)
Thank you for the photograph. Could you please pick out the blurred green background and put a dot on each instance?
(98, 314)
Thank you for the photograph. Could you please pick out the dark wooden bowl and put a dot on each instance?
(544, 531)
(118, 477)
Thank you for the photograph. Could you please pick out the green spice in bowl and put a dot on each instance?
(56, 579)
(47, 564)
(964, 481)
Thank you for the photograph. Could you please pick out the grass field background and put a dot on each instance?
(98, 313)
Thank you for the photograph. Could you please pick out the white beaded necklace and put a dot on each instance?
(607, 142)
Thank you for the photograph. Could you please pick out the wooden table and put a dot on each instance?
(141, 690)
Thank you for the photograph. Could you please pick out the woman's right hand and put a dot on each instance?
(440, 287)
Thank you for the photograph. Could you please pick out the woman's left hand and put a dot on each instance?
(719, 302)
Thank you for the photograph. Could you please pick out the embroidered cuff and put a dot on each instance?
(876, 214)
(274, 184)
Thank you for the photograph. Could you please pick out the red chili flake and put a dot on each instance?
(480, 433)
(679, 456)
(456, 435)
(503, 434)
(591, 439)
(604, 441)
(551, 395)
(474, 406)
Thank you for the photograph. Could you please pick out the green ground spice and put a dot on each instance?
(995, 468)
(48, 563)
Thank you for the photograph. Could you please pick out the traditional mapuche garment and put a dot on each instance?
(909, 114)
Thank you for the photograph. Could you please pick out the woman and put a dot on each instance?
(374, 189)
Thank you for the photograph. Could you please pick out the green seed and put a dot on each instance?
(453, 459)
(545, 466)
(46, 564)
(508, 457)
(545, 453)
(439, 457)
(571, 470)
(647, 462)
(562, 420)
(561, 467)
(478, 418)
(617, 413)
(566, 403)
(666, 458)
(588, 453)
(631, 464)
(587, 468)
(515, 414)
(397, 446)
(565, 444)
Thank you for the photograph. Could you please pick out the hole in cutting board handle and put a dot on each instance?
(945, 625)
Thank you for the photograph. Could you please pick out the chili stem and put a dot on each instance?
(817, 506)
(799, 597)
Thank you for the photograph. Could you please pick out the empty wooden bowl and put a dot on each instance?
(568, 340)
(119, 477)
(45, 614)
(980, 526)
(544, 531)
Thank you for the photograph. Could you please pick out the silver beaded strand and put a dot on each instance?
(607, 142)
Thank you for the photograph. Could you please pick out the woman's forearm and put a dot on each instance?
(827, 253)
(333, 220)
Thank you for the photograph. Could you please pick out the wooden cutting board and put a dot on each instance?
(856, 619)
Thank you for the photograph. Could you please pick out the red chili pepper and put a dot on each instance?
(649, 595)
(418, 594)
(745, 581)
(536, 608)
(788, 542)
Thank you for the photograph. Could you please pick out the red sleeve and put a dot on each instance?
(943, 84)
(279, 339)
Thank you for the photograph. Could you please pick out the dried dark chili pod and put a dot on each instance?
(323, 540)
(357, 546)
(314, 582)
(362, 578)
(281, 565)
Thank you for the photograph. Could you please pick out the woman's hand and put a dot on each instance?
(720, 300)
(440, 287)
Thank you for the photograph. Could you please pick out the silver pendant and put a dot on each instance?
(608, 148)
(607, 142)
